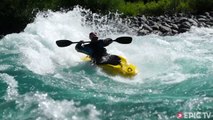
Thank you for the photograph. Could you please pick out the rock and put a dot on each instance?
(151, 23)
(193, 22)
(206, 25)
(140, 20)
(207, 14)
(201, 19)
(143, 32)
(180, 15)
(147, 27)
(155, 19)
(201, 24)
(182, 30)
(183, 19)
(157, 32)
(186, 24)
(171, 24)
(165, 24)
(143, 18)
(164, 29)
(191, 16)
(210, 23)
(155, 27)
(174, 32)
(174, 26)
(168, 33)
(201, 16)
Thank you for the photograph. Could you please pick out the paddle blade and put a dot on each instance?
(63, 43)
(124, 40)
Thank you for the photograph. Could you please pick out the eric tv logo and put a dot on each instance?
(194, 115)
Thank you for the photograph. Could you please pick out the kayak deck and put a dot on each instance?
(123, 69)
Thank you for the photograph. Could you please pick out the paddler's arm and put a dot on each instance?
(83, 48)
(107, 41)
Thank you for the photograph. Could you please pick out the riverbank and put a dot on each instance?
(161, 25)
(15, 15)
(167, 24)
(170, 24)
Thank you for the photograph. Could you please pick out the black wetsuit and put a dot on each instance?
(98, 53)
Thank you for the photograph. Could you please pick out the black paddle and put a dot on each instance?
(65, 43)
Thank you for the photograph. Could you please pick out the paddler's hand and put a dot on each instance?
(107, 41)
(81, 42)
(110, 40)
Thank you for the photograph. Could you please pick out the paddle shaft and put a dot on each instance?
(65, 43)
(83, 42)
(86, 42)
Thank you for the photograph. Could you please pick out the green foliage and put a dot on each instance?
(183, 7)
(200, 6)
(131, 8)
(20, 12)
(155, 8)
(128, 7)
(101, 6)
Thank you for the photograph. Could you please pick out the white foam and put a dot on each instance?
(12, 91)
(194, 103)
(152, 54)
(4, 67)
(48, 108)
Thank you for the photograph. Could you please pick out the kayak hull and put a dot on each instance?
(123, 69)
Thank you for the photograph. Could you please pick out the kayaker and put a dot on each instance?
(97, 51)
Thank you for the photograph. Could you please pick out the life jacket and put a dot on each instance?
(98, 50)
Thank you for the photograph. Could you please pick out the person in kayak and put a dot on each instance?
(97, 51)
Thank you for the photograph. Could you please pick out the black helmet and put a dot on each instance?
(93, 36)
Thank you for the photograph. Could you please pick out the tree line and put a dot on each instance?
(15, 14)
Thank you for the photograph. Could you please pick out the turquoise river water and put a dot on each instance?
(40, 81)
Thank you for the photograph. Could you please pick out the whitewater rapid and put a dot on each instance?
(41, 81)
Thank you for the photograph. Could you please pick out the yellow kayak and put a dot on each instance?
(123, 69)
